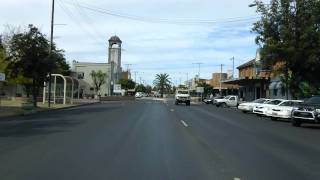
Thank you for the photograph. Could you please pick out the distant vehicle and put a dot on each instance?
(139, 95)
(262, 108)
(228, 101)
(307, 112)
(248, 106)
(283, 110)
(157, 94)
(208, 100)
(182, 96)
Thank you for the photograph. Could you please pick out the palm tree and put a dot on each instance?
(162, 82)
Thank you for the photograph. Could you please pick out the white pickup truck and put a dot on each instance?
(228, 101)
(182, 96)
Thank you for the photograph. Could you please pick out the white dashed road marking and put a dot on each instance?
(171, 110)
(236, 178)
(184, 123)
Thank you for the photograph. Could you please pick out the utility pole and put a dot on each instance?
(199, 64)
(50, 50)
(221, 79)
(232, 59)
(135, 76)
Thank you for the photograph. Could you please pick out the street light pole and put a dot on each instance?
(50, 50)
(232, 59)
(221, 79)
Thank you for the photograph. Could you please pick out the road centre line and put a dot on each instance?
(184, 123)
(236, 178)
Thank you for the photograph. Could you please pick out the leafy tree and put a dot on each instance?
(289, 31)
(127, 84)
(29, 57)
(98, 78)
(29, 61)
(141, 88)
(3, 56)
(162, 82)
(207, 88)
(148, 89)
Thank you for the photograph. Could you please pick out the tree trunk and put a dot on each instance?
(162, 89)
(34, 93)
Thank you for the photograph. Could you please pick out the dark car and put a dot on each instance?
(307, 112)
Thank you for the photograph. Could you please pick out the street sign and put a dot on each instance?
(200, 90)
(2, 77)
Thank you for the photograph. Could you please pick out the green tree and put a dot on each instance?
(127, 84)
(141, 88)
(98, 78)
(289, 31)
(29, 57)
(207, 88)
(3, 56)
(148, 89)
(162, 82)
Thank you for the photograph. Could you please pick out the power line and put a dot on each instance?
(72, 17)
(88, 19)
(162, 20)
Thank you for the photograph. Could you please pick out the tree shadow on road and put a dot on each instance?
(33, 128)
(62, 113)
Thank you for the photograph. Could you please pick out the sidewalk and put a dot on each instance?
(10, 108)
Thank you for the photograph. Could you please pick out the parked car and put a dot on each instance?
(248, 106)
(139, 95)
(182, 96)
(283, 110)
(307, 112)
(262, 108)
(216, 98)
(208, 100)
(228, 101)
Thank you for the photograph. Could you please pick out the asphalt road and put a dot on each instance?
(155, 140)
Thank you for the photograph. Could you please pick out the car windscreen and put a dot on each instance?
(274, 102)
(313, 100)
(183, 92)
(259, 101)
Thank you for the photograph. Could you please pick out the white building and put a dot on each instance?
(112, 68)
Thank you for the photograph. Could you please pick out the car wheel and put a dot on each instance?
(245, 112)
(295, 122)
(176, 103)
(274, 118)
(224, 105)
(188, 103)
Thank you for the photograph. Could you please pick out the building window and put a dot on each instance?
(275, 92)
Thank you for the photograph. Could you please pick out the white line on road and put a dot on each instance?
(184, 123)
(236, 178)
(171, 110)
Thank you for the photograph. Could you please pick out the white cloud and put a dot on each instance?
(152, 47)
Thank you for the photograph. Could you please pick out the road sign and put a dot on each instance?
(2, 77)
(200, 90)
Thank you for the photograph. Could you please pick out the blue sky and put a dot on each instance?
(151, 47)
